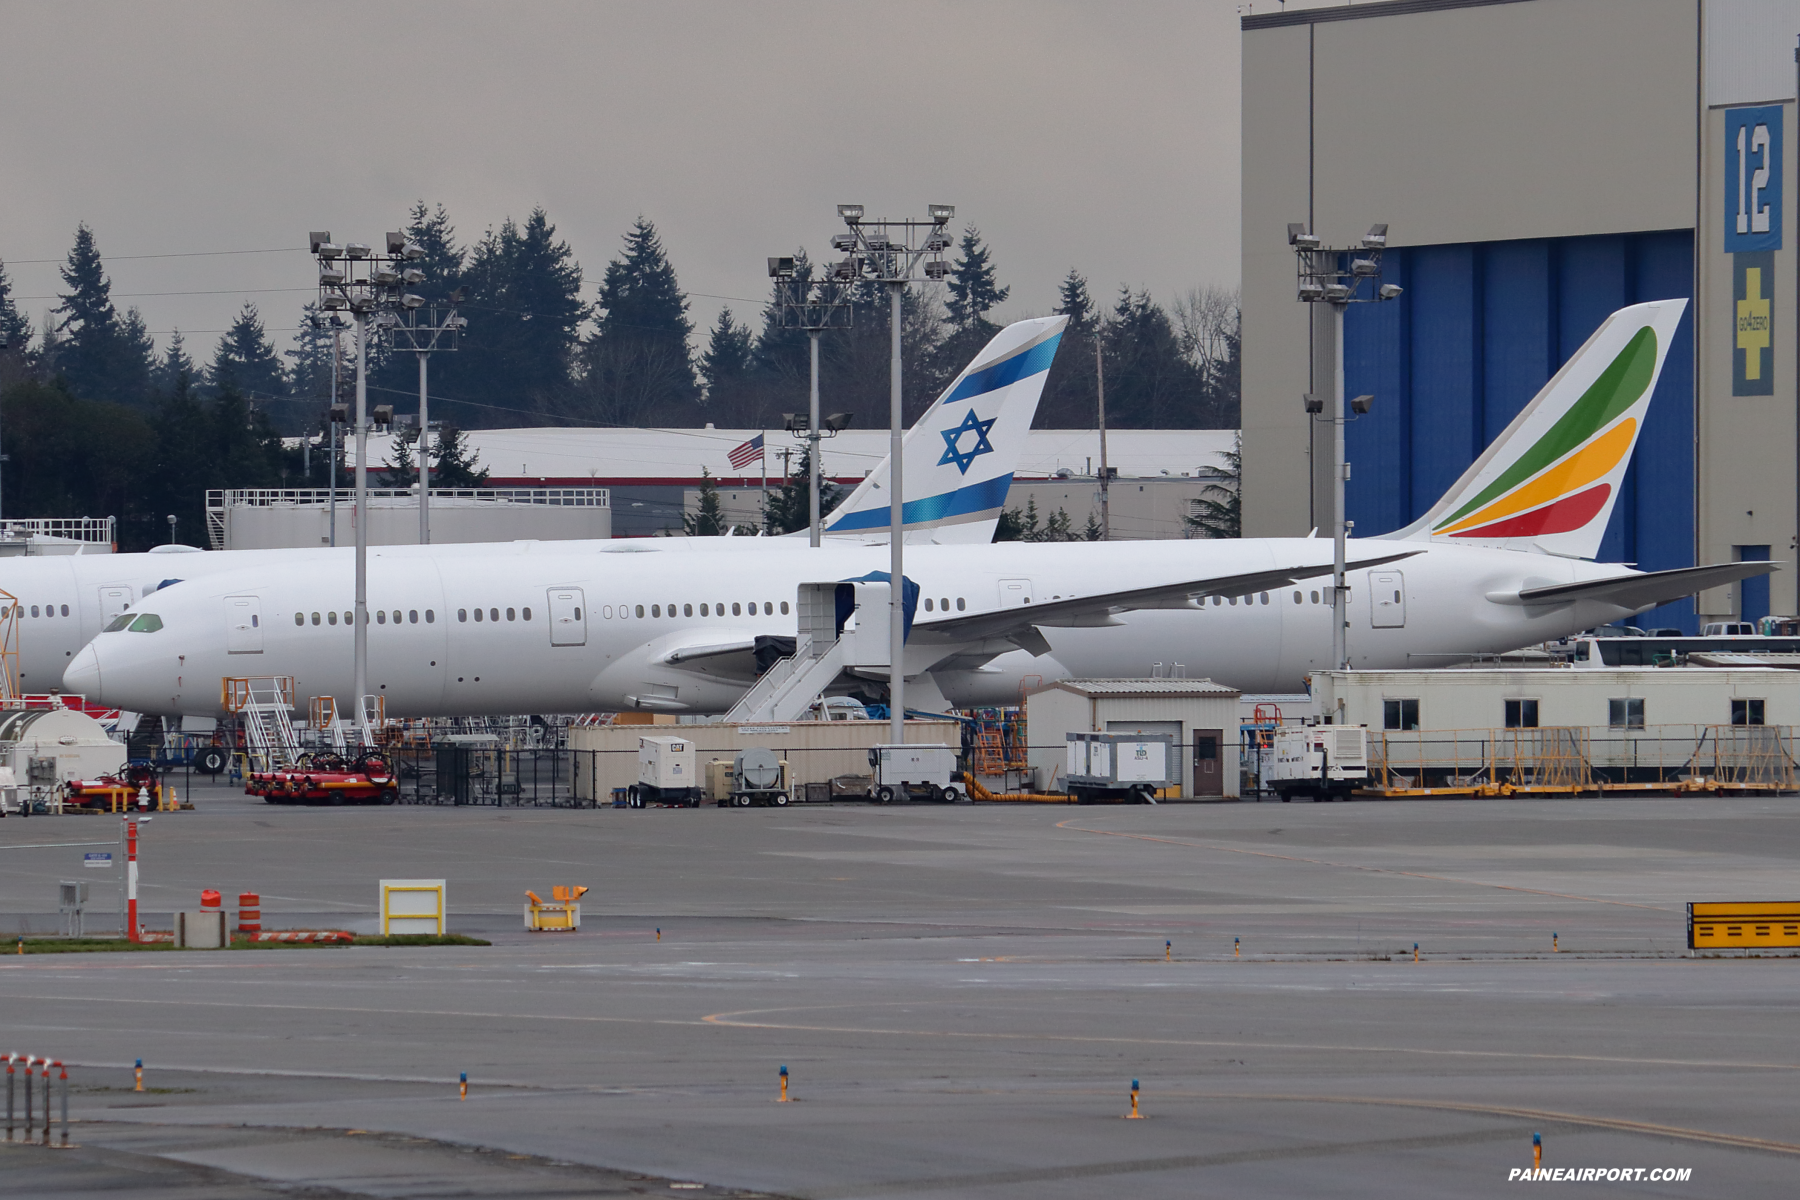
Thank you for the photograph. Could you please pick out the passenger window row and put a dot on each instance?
(943, 604)
(493, 614)
(739, 608)
(19, 610)
(381, 617)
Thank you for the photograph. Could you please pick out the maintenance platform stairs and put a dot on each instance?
(842, 626)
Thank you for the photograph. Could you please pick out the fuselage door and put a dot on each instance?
(243, 625)
(1015, 593)
(113, 601)
(1387, 600)
(568, 617)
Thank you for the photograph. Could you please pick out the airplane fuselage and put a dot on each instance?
(633, 625)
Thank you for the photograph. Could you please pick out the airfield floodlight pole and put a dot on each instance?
(889, 252)
(1336, 276)
(423, 333)
(354, 276)
(815, 306)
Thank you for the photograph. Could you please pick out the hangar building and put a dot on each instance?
(1539, 163)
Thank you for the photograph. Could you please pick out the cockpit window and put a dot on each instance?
(147, 623)
(119, 622)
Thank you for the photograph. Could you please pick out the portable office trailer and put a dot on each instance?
(1617, 697)
(1200, 716)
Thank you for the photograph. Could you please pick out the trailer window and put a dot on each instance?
(1400, 714)
(1521, 714)
(1625, 714)
(1746, 712)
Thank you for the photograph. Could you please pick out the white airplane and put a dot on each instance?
(1497, 563)
(959, 471)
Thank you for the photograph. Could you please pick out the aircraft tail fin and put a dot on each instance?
(1548, 483)
(959, 457)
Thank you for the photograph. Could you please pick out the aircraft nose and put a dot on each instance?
(83, 674)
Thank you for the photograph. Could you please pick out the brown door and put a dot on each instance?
(1209, 774)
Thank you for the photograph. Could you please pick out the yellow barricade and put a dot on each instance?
(1742, 925)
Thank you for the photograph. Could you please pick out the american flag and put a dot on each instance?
(747, 453)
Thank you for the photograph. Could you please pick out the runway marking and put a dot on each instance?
(1324, 862)
(730, 1019)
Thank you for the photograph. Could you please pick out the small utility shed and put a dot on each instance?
(1200, 714)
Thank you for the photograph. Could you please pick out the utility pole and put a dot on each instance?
(1105, 471)
(802, 303)
(1335, 276)
(888, 252)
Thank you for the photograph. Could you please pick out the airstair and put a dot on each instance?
(841, 626)
(262, 703)
(325, 723)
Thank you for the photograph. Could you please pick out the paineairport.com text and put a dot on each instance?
(1600, 1175)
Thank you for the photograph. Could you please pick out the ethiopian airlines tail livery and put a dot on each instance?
(652, 624)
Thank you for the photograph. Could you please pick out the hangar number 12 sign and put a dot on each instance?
(1752, 235)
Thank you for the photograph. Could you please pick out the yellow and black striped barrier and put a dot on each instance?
(1744, 925)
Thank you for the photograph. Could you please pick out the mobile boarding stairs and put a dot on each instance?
(842, 627)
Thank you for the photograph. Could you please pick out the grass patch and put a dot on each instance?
(82, 945)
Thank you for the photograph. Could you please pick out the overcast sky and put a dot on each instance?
(1102, 136)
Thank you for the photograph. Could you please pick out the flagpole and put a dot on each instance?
(762, 452)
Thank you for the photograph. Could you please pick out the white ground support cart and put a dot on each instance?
(665, 773)
(1322, 762)
(914, 771)
(758, 776)
(1128, 767)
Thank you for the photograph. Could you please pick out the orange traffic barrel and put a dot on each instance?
(210, 898)
(249, 912)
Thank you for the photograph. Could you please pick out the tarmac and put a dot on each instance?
(962, 996)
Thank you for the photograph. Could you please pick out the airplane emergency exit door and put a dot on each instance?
(1387, 599)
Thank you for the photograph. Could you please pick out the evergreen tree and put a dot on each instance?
(1074, 302)
(175, 371)
(431, 231)
(1070, 399)
(708, 517)
(100, 356)
(403, 471)
(245, 361)
(524, 311)
(637, 366)
(1221, 512)
(454, 462)
(311, 362)
(726, 366)
(790, 509)
(972, 287)
(1150, 383)
(15, 326)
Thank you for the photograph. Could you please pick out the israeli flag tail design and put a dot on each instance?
(959, 457)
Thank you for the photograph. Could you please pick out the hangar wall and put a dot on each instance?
(1539, 163)
(1479, 329)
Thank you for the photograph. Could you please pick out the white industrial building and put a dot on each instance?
(277, 518)
(652, 476)
(1200, 715)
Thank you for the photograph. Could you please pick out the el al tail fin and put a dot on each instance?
(959, 457)
(1548, 483)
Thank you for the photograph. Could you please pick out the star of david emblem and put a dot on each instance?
(953, 452)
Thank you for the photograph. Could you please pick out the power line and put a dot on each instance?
(180, 254)
(211, 292)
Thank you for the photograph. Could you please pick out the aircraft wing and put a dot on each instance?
(1019, 625)
(1642, 589)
